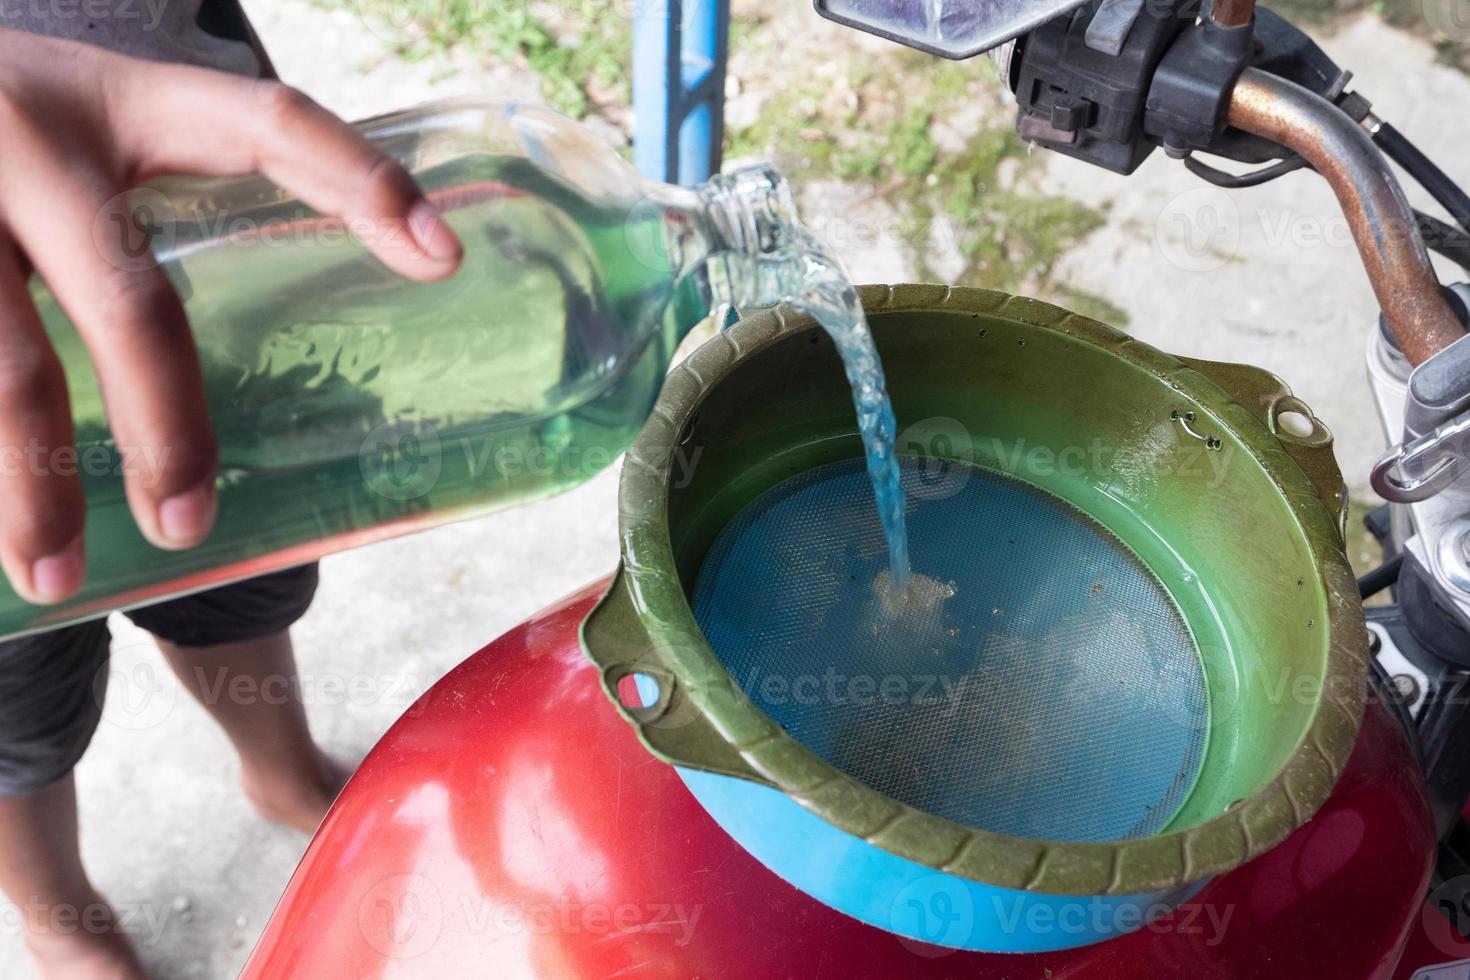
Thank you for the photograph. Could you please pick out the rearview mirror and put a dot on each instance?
(948, 28)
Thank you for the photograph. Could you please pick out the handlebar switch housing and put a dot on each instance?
(1191, 88)
(1081, 89)
(1113, 79)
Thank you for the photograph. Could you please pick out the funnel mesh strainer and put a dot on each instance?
(1038, 681)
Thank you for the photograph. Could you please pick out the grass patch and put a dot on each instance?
(852, 127)
(874, 122)
(580, 50)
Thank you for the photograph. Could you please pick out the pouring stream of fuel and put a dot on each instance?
(817, 285)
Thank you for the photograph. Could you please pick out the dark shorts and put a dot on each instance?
(52, 684)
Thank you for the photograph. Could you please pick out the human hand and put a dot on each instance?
(79, 126)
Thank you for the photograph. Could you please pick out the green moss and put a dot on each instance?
(1009, 238)
(510, 31)
(911, 147)
(1012, 241)
(859, 141)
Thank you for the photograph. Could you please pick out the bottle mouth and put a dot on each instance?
(754, 209)
(754, 216)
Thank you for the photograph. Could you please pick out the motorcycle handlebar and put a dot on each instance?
(1382, 222)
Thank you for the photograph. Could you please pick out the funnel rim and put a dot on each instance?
(647, 617)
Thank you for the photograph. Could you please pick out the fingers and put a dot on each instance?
(129, 121)
(221, 125)
(41, 534)
(135, 330)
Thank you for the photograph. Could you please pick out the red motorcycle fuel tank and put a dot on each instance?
(515, 824)
(511, 825)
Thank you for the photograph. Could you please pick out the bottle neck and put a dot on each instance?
(754, 223)
(732, 237)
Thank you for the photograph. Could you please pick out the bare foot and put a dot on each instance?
(296, 799)
(89, 945)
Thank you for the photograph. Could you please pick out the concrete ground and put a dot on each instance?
(1261, 276)
(1268, 275)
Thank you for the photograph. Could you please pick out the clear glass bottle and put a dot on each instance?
(352, 404)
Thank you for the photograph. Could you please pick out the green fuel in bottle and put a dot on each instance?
(352, 405)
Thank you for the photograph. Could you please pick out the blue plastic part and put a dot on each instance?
(905, 898)
(647, 690)
(679, 49)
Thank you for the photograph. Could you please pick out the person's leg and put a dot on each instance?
(51, 692)
(231, 649)
(250, 688)
(70, 929)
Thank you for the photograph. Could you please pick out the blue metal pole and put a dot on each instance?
(655, 85)
(702, 69)
(679, 53)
